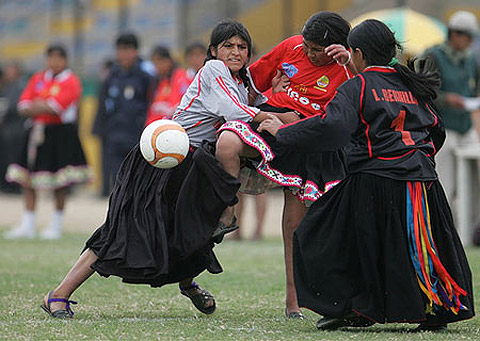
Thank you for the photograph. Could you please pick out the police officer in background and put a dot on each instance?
(460, 77)
(122, 107)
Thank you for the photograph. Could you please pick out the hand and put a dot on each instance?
(339, 53)
(454, 100)
(280, 82)
(289, 117)
(271, 124)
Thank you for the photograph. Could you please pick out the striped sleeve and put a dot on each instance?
(225, 97)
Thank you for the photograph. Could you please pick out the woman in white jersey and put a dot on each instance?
(160, 221)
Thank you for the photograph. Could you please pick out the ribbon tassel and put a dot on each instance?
(434, 280)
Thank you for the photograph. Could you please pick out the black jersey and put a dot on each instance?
(382, 127)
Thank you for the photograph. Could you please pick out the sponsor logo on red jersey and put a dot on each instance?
(290, 70)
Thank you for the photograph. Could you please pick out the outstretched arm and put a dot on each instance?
(328, 131)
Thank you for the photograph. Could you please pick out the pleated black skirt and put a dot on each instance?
(160, 221)
(351, 253)
(308, 175)
(51, 157)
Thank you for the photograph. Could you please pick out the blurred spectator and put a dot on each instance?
(172, 83)
(105, 69)
(12, 129)
(122, 107)
(476, 48)
(195, 54)
(460, 78)
(52, 157)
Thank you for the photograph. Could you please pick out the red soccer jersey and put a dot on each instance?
(311, 87)
(61, 93)
(168, 95)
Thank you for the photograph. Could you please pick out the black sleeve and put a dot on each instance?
(328, 131)
(437, 132)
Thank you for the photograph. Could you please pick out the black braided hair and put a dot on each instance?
(379, 46)
(326, 28)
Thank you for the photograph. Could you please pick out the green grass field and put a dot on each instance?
(249, 295)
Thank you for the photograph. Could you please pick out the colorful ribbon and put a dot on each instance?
(433, 278)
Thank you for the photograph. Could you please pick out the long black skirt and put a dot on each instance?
(51, 157)
(160, 221)
(308, 175)
(352, 253)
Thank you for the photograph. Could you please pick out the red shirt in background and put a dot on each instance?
(311, 87)
(61, 92)
(168, 95)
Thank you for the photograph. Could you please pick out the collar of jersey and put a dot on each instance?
(385, 69)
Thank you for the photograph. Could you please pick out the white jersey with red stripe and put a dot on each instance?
(213, 97)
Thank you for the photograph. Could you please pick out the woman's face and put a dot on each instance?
(233, 52)
(315, 53)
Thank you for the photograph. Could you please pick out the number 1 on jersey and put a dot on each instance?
(398, 124)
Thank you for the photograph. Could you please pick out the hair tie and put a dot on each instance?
(348, 59)
(393, 62)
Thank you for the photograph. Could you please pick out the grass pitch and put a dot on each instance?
(249, 295)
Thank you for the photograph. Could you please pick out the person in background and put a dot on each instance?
(52, 156)
(460, 76)
(12, 129)
(172, 82)
(122, 107)
(105, 69)
(195, 54)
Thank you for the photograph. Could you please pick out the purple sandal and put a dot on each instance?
(66, 313)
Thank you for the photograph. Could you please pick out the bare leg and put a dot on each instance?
(293, 213)
(60, 197)
(237, 234)
(30, 199)
(78, 274)
(229, 150)
(261, 207)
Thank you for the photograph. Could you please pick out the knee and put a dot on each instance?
(229, 145)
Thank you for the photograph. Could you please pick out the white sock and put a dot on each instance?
(57, 221)
(28, 221)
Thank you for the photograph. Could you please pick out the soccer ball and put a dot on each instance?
(164, 143)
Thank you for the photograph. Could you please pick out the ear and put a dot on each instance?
(360, 52)
(213, 51)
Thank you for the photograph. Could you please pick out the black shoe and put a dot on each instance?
(355, 320)
(330, 323)
(223, 229)
(430, 327)
(350, 320)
